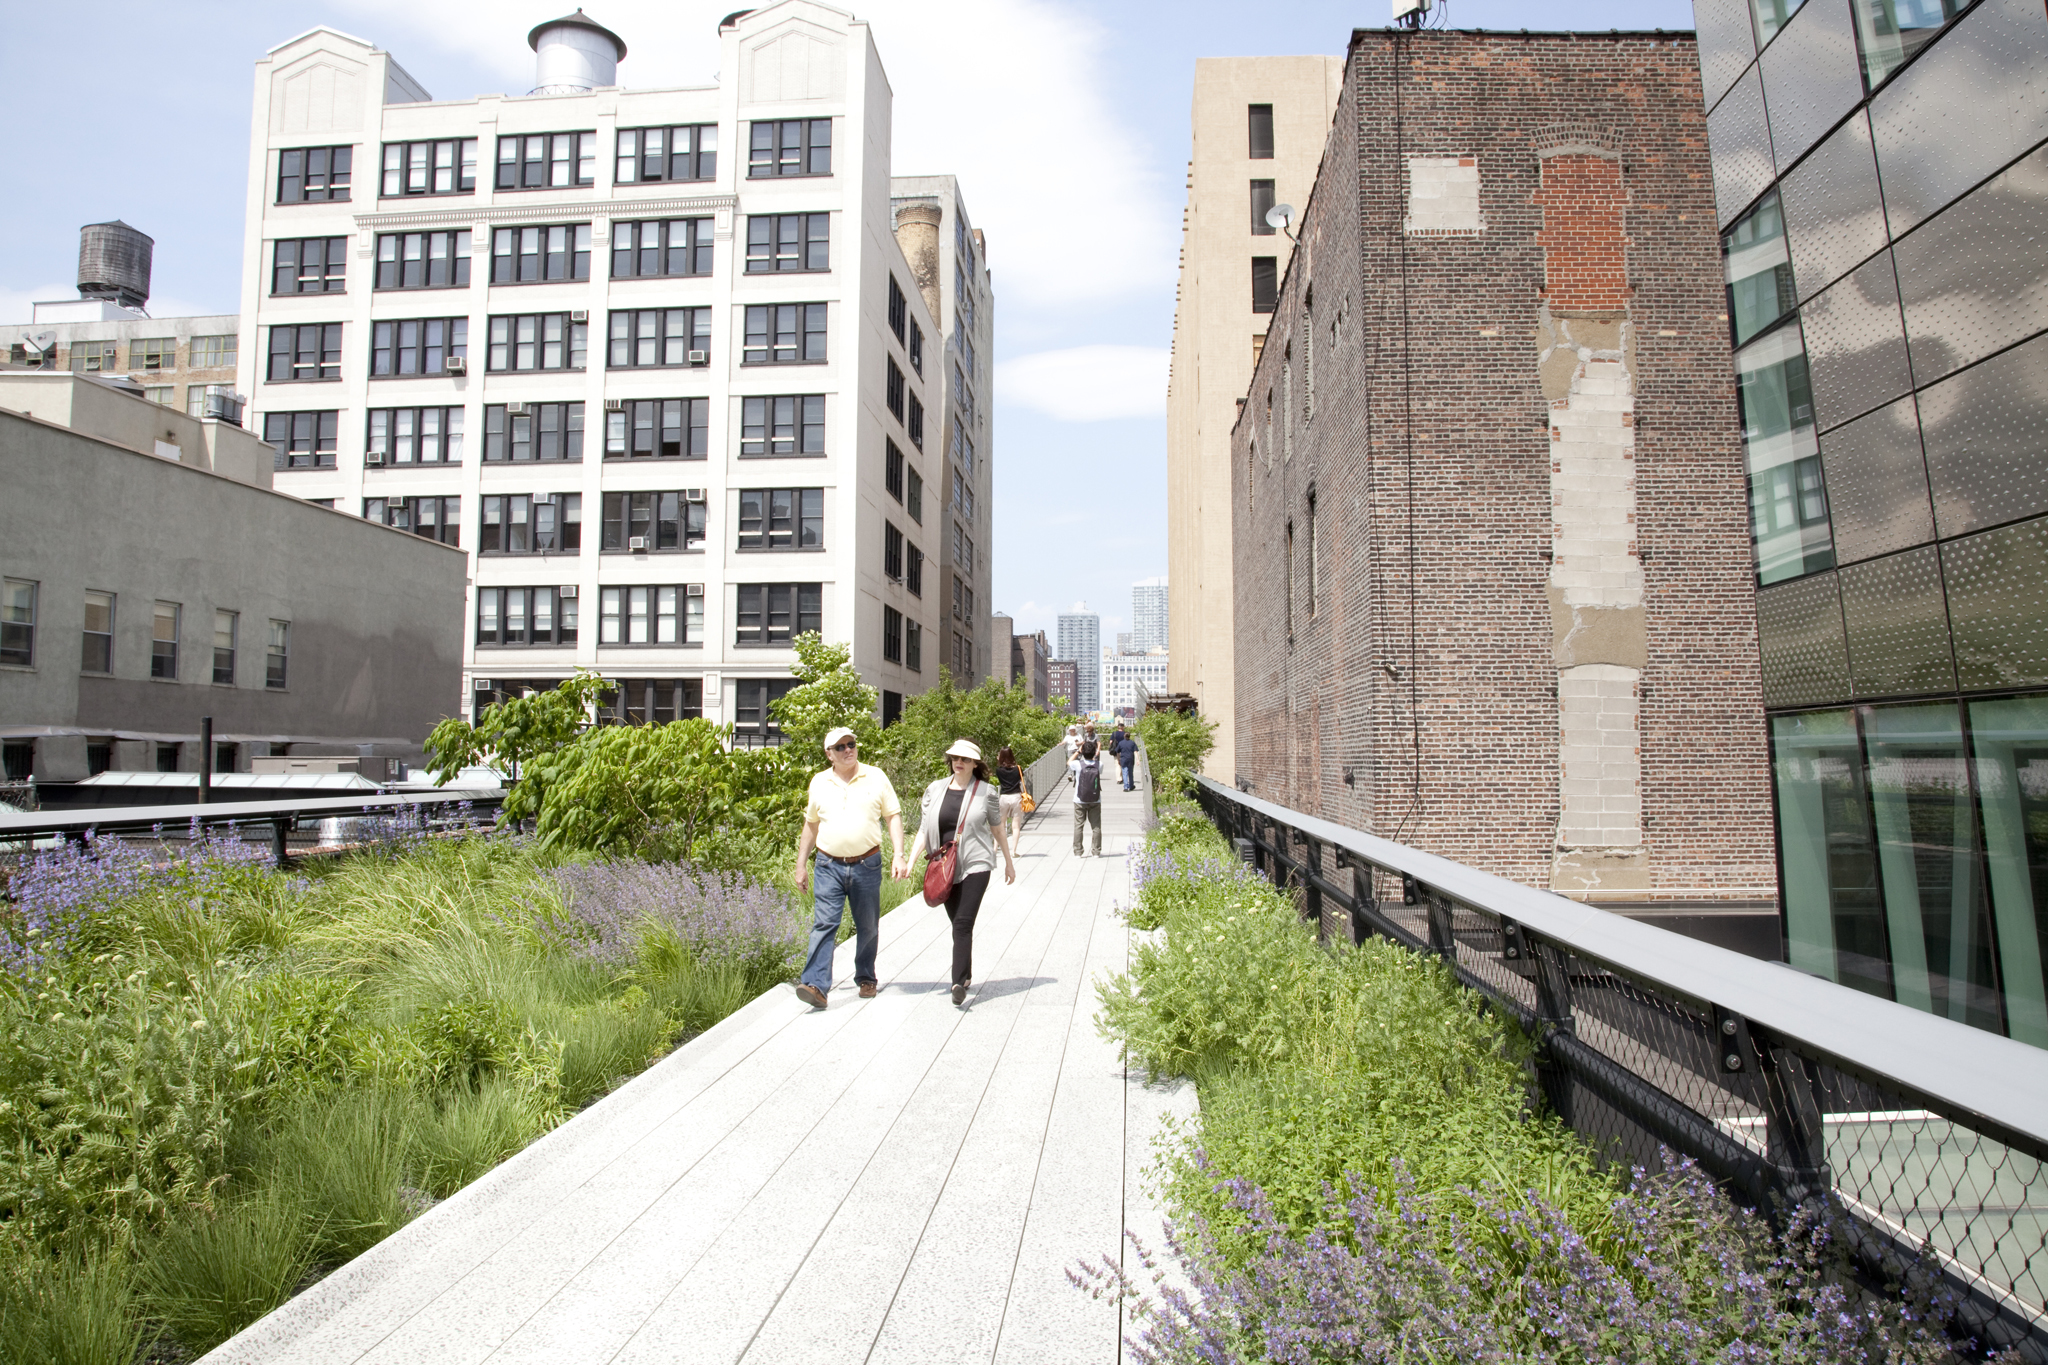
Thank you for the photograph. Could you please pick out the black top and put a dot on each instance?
(1012, 780)
(949, 815)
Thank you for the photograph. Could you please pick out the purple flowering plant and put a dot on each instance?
(612, 906)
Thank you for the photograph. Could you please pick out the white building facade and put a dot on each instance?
(1148, 615)
(1128, 679)
(1080, 639)
(654, 358)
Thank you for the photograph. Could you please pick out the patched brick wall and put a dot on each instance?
(1416, 694)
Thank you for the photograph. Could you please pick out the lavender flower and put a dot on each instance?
(713, 914)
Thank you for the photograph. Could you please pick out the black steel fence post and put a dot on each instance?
(1795, 1121)
(1312, 902)
(278, 827)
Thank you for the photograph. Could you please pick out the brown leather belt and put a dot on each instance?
(854, 861)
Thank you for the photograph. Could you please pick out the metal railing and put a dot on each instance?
(1932, 1135)
(298, 827)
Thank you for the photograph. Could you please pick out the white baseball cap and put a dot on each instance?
(835, 734)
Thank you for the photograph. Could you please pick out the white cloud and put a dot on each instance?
(1005, 94)
(1088, 383)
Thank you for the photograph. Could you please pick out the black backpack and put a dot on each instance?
(1088, 783)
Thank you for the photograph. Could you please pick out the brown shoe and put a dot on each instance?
(867, 990)
(811, 996)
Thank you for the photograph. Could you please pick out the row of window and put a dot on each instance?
(766, 614)
(640, 338)
(518, 433)
(545, 253)
(150, 355)
(545, 161)
(651, 520)
(19, 621)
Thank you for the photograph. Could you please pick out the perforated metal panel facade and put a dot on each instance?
(1881, 173)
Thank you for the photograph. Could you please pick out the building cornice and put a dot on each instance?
(722, 204)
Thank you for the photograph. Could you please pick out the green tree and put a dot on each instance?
(830, 694)
(513, 733)
(992, 715)
(660, 791)
(1175, 746)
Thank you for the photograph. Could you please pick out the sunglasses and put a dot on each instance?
(844, 746)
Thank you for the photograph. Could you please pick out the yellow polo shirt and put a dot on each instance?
(850, 815)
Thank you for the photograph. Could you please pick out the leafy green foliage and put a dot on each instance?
(913, 750)
(514, 732)
(1175, 746)
(829, 693)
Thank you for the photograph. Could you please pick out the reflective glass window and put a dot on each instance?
(1897, 624)
(1834, 216)
(1799, 635)
(2009, 742)
(1772, 15)
(1975, 279)
(1856, 343)
(1877, 483)
(1726, 44)
(1996, 584)
(1758, 269)
(1834, 914)
(1810, 77)
(1787, 495)
(1890, 31)
(1739, 143)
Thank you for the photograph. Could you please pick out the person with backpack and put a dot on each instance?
(1086, 766)
(963, 811)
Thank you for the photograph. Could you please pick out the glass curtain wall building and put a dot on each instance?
(1883, 193)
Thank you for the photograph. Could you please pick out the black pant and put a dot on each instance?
(963, 903)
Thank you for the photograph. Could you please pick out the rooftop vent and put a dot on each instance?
(575, 54)
(113, 263)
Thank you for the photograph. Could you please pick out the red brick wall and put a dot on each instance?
(1584, 261)
(1425, 670)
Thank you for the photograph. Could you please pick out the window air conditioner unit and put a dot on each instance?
(614, 405)
(395, 504)
(567, 590)
(457, 364)
(636, 543)
(579, 315)
(700, 357)
(375, 457)
(515, 409)
(693, 495)
(693, 590)
(482, 685)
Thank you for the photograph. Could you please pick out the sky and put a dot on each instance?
(1067, 125)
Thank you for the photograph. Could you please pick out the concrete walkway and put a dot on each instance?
(891, 1180)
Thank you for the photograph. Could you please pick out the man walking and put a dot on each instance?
(1086, 767)
(843, 818)
(1126, 750)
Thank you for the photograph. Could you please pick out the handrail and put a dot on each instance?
(1930, 1135)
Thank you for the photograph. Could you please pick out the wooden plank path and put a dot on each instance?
(891, 1180)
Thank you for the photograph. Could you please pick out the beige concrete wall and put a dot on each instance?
(1213, 343)
(103, 412)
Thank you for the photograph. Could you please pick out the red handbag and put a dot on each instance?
(938, 869)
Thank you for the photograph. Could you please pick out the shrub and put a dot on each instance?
(1175, 746)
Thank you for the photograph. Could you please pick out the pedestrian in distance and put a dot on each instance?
(1086, 768)
(848, 805)
(962, 809)
(1126, 750)
(1010, 786)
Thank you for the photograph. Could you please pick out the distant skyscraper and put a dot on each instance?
(1148, 615)
(1081, 640)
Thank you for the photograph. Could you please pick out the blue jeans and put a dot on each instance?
(1127, 765)
(834, 887)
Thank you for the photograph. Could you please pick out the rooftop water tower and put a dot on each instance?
(575, 54)
(113, 263)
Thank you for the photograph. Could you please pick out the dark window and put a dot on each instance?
(19, 756)
(913, 646)
(753, 711)
(665, 614)
(790, 147)
(892, 702)
(546, 161)
(654, 521)
(167, 758)
(414, 346)
(526, 616)
(432, 518)
(892, 470)
(313, 174)
(688, 152)
(660, 336)
(518, 432)
(788, 241)
(18, 621)
(913, 497)
(311, 351)
(661, 246)
(535, 255)
(99, 756)
(525, 524)
(892, 636)
(915, 426)
(445, 167)
(539, 341)
(308, 265)
(892, 390)
(913, 569)
(784, 334)
(776, 613)
(782, 519)
(1260, 119)
(226, 626)
(654, 701)
(277, 654)
(303, 440)
(892, 552)
(917, 348)
(899, 308)
(408, 436)
(658, 428)
(784, 424)
(163, 640)
(1265, 283)
(1262, 203)
(97, 655)
(423, 260)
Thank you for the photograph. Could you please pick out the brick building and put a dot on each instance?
(1493, 593)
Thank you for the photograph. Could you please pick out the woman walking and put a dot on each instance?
(963, 809)
(1010, 784)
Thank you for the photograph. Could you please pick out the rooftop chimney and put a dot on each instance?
(113, 263)
(575, 54)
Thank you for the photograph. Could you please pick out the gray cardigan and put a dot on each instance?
(975, 830)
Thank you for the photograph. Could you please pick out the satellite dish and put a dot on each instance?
(1279, 216)
(42, 343)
